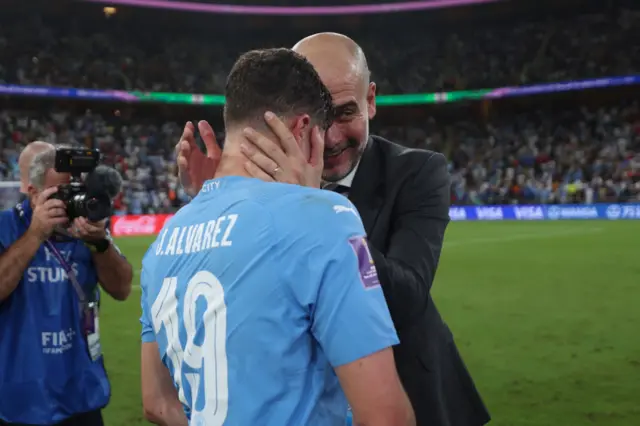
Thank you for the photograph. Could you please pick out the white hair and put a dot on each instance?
(42, 162)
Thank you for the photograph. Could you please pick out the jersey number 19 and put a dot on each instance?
(208, 360)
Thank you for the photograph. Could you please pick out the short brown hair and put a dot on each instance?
(277, 80)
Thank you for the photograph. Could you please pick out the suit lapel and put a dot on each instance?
(367, 189)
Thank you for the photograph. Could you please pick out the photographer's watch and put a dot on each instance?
(99, 246)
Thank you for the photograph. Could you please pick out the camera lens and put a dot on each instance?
(97, 207)
(92, 205)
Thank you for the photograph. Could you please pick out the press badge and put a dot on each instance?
(92, 331)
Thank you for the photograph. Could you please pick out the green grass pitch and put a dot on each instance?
(546, 315)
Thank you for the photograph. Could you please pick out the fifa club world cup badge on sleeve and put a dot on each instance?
(366, 267)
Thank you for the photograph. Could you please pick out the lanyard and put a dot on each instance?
(70, 274)
(84, 306)
(88, 310)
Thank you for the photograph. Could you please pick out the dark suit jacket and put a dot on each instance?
(403, 198)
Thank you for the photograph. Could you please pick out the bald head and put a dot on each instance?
(26, 158)
(334, 54)
(342, 67)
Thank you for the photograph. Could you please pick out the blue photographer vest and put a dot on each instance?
(46, 373)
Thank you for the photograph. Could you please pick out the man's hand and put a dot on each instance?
(14, 259)
(85, 230)
(114, 271)
(194, 167)
(269, 162)
(47, 214)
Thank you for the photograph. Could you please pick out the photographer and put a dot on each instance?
(51, 365)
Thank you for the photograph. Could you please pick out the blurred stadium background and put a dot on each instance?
(535, 104)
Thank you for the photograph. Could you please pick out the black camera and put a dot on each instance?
(92, 197)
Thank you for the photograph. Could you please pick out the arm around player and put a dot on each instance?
(408, 266)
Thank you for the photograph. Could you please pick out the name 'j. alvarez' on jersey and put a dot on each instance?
(255, 292)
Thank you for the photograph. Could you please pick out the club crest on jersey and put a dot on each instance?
(366, 267)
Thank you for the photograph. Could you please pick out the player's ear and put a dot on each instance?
(300, 127)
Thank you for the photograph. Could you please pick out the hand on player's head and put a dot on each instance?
(195, 167)
(285, 160)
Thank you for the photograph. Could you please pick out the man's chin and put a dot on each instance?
(339, 168)
(336, 173)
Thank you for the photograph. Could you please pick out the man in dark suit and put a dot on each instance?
(402, 196)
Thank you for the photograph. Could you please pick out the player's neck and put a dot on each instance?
(232, 160)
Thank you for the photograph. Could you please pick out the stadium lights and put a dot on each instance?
(109, 11)
(381, 100)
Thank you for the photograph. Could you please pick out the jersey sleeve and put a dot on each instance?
(147, 335)
(349, 315)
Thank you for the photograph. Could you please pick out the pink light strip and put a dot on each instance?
(284, 11)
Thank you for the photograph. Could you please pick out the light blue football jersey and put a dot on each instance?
(254, 293)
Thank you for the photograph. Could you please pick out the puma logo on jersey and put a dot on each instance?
(342, 209)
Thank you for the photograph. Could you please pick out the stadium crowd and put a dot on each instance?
(581, 155)
(140, 152)
(108, 54)
(577, 156)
